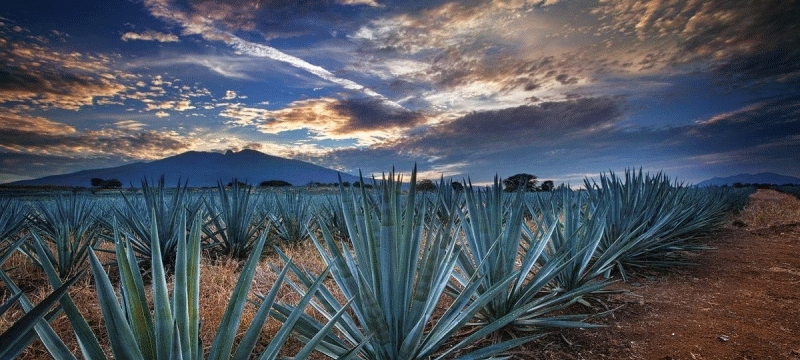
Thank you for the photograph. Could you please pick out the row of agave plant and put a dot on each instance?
(507, 262)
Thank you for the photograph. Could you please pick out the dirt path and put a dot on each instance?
(742, 301)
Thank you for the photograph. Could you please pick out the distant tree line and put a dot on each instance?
(528, 182)
(106, 183)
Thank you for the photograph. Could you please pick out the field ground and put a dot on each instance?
(741, 301)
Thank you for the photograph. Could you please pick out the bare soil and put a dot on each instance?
(740, 301)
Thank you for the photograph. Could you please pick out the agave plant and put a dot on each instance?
(330, 212)
(171, 331)
(235, 222)
(12, 218)
(577, 228)
(449, 197)
(36, 319)
(70, 225)
(501, 246)
(292, 216)
(395, 275)
(169, 206)
(649, 218)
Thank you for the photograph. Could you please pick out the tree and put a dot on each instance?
(527, 180)
(359, 184)
(112, 184)
(106, 184)
(457, 186)
(547, 185)
(238, 183)
(425, 185)
(274, 183)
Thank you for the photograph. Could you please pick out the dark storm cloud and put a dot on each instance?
(370, 114)
(280, 19)
(589, 134)
(493, 139)
(364, 119)
(759, 41)
(763, 125)
(520, 127)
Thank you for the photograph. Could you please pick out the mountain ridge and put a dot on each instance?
(201, 169)
(760, 178)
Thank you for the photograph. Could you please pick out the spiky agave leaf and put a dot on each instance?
(173, 330)
(651, 217)
(135, 216)
(395, 276)
(14, 339)
(35, 322)
(293, 211)
(12, 217)
(235, 220)
(70, 224)
(500, 245)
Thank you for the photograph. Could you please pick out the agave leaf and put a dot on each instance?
(123, 341)
(223, 341)
(248, 342)
(163, 320)
(47, 335)
(138, 319)
(90, 346)
(18, 332)
(8, 304)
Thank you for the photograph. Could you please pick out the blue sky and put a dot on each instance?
(561, 89)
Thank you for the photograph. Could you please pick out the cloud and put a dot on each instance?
(372, 3)
(367, 120)
(177, 105)
(162, 114)
(229, 95)
(130, 125)
(33, 124)
(38, 76)
(553, 139)
(22, 134)
(203, 22)
(742, 41)
(150, 35)
(517, 128)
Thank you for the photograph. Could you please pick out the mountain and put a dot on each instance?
(203, 169)
(760, 178)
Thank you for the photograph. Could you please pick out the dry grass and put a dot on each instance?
(766, 208)
(769, 208)
(219, 277)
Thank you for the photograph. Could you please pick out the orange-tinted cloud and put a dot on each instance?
(150, 35)
(366, 120)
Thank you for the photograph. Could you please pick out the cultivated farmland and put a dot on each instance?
(376, 273)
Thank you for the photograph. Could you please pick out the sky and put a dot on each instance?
(464, 89)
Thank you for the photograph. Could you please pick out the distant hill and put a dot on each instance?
(203, 169)
(760, 178)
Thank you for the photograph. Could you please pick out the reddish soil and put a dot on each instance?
(741, 301)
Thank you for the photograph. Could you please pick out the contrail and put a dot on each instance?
(203, 26)
(275, 54)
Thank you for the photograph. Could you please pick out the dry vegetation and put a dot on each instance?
(769, 208)
(218, 280)
(766, 209)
